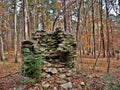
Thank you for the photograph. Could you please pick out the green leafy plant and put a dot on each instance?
(116, 87)
(31, 67)
(25, 80)
(110, 84)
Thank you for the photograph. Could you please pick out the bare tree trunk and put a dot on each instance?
(94, 45)
(112, 47)
(26, 34)
(2, 46)
(65, 23)
(55, 22)
(42, 16)
(43, 25)
(108, 41)
(78, 38)
(1, 39)
(96, 61)
(119, 6)
(34, 20)
(68, 17)
(15, 33)
(7, 42)
(101, 31)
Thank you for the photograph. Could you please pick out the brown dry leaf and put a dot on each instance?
(5, 27)
(82, 83)
(1, 4)
(1, 12)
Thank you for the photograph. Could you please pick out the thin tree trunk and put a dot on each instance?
(8, 43)
(78, 38)
(96, 61)
(1, 39)
(94, 45)
(108, 41)
(112, 47)
(101, 31)
(43, 25)
(42, 17)
(15, 33)
(119, 6)
(34, 20)
(65, 23)
(26, 34)
(55, 22)
(69, 17)
(2, 46)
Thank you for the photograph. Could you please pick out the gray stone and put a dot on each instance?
(74, 70)
(79, 87)
(45, 84)
(70, 74)
(42, 49)
(61, 81)
(84, 74)
(89, 76)
(67, 85)
(54, 71)
(48, 75)
(74, 89)
(63, 70)
(89, 84)
(47, 69)
(48, 64)
(45, 62)
(62, 76)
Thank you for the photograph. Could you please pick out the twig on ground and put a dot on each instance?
(9, 75)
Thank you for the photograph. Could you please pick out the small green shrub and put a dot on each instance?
(110, 84)
(31, 67)
(25, 80)
(115, 87)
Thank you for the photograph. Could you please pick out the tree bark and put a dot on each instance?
(101, 31)
(15, 33)
(108, 41)
(78, 58)
(65, 23)
(25, 13)
(93, 27)
(1, 38)
(2, 46)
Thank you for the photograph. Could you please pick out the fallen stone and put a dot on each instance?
(61, 81)
(89, 76)
(45, 84)
(79, 87)
(62, 76)
(48, 75)
(67, 85)
(70, 74)
(89, 84)
(54, 71)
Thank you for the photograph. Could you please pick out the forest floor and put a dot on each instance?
(86, 79)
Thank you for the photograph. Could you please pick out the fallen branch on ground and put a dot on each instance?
(9, 75)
